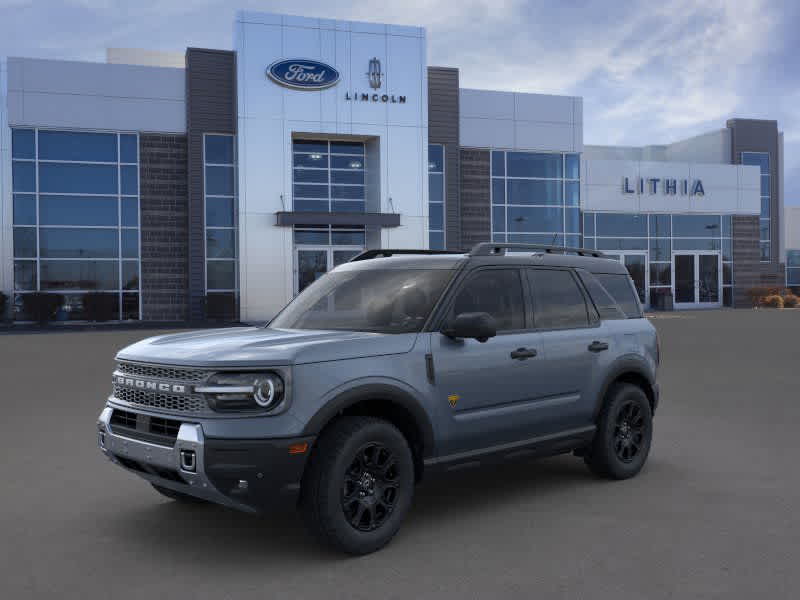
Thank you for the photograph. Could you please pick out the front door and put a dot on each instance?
(311, 263)
(636, 263)
(697, 279)
(490, 390)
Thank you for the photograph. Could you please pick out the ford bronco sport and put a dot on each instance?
(394, 365)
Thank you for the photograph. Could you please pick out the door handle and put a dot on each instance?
(598, 346)
(523, 353)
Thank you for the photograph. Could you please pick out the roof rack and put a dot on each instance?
(491, 249)
(385, 252)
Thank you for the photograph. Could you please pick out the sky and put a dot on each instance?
(649, 72)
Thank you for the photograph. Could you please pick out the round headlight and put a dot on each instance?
(268, 391)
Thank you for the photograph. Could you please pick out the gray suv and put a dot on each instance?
(393, 366)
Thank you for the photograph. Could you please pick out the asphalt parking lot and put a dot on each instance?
(714, 514)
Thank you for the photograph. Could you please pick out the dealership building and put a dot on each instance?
(217, 184)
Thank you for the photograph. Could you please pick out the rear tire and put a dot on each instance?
(177, 496)
(624, 433)
(358, 485)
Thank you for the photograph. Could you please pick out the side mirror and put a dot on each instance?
(478, 325)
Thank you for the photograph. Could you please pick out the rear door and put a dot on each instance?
(575, 344)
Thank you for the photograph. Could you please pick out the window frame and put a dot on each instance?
(118, 195)
(234, 227)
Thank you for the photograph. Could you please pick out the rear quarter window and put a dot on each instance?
(606, 306)
(620, 288)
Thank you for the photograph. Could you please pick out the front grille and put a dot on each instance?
(159, 401)
(162, 372)
(144, 427)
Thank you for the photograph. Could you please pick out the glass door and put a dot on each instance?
(696, 279)
(636, 263)
(311, 263)
(708, 279)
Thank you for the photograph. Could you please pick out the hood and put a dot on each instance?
(257, 346)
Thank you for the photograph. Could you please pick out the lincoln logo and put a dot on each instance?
(374, 74)
(301, 74)
(150, 386)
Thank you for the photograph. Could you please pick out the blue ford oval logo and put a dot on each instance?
(303, 74)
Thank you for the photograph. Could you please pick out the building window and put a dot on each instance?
(76, 220)
(657, 236)
(221, 225)
(793, 270)
(761, 160)
(536, 198)
(328, 176)
(436, 197)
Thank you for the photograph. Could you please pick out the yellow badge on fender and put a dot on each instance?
(453, 400)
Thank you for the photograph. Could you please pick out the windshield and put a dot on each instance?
(383, 301)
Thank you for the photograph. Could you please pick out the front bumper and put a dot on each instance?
(248, 475)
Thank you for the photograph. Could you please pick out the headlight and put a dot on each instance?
(243, 391)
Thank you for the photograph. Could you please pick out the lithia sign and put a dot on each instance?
(306, 74)
(667, 186)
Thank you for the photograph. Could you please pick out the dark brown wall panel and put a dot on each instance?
(443, 113)
(476, 217)
(210, 108)
(163, 198)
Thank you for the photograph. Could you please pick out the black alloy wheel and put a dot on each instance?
(624, 432)
(358, 484)
(629, 431)
(371, 487)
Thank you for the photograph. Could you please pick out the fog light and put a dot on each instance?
(101, 440)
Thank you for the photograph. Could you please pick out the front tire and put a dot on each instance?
(358, 485)
(624, 432)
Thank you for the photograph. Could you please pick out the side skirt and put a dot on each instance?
(542, 446)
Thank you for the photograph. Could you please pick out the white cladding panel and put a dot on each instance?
(791, 220)
(728, 189)
(270, 115)
(520, 121)
(6, 205)
(82, 95)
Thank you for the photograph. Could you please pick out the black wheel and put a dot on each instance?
(358, 485)
(179, 496)
(624, 432)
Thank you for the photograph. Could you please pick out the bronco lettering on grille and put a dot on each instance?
(154, 386)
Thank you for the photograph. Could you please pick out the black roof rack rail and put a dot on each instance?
(376, 252)
(492, 249)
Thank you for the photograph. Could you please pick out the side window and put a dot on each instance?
(558, 302)
(494, 291)
(606, 305)
(621, 289)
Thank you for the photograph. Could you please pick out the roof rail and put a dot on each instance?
(491, 249)
(385, 252)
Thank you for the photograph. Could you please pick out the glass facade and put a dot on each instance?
(793, 268)
(76, 219)
(219, 158)
(761, 160)
(535, 198)
(328, 176)
(436, 197)
(658, 236)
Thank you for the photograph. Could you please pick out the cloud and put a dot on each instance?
(649, 72)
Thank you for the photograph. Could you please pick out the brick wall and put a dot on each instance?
(476, 216)
(165, 232)
(748, 271)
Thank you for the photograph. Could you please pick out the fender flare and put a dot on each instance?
(626, 364)
(380, 392)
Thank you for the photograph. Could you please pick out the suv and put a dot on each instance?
(395, 365)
